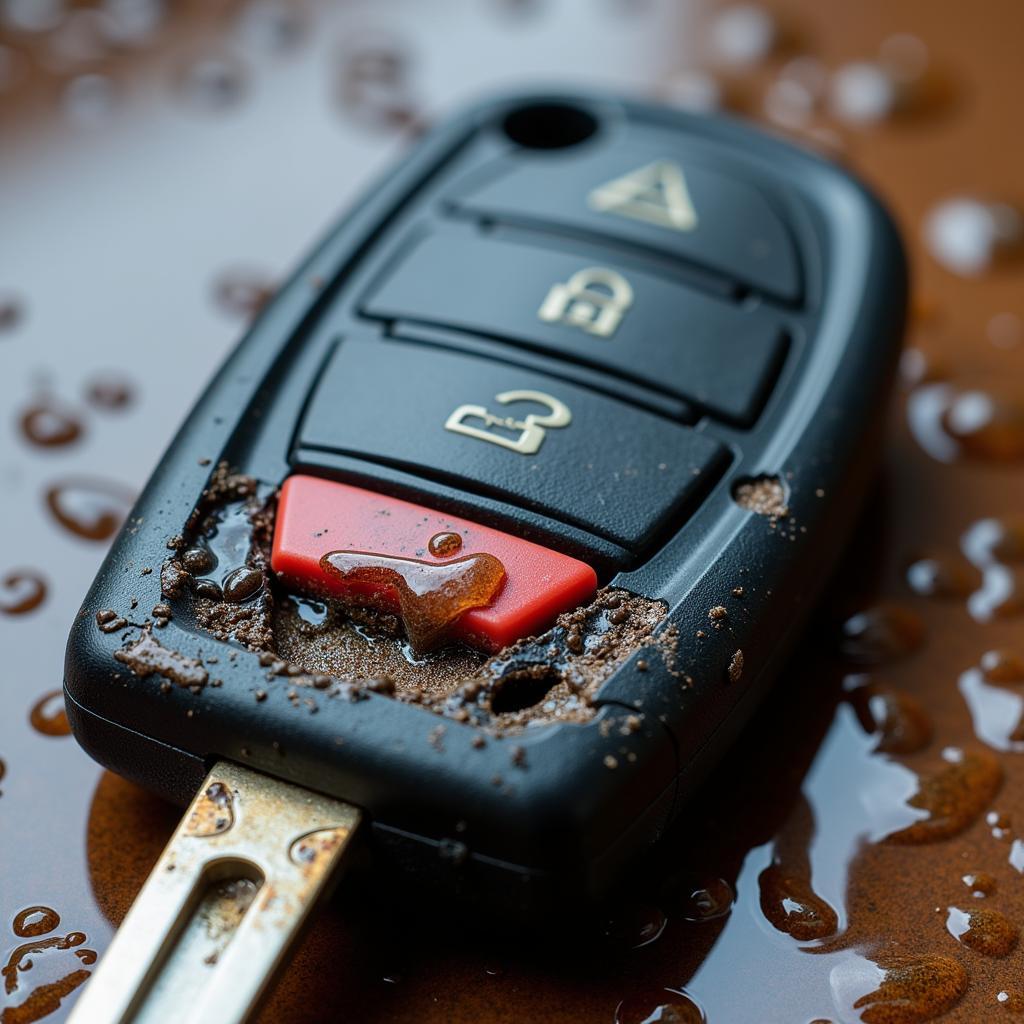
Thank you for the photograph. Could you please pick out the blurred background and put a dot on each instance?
(163, 166)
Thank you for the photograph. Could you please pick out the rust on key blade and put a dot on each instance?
(223, 904)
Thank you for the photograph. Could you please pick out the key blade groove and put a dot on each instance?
(223, 904)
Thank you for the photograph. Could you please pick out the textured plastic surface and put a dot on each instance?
(613, 470)
(705, 349)
(561, 823)
(315, 517)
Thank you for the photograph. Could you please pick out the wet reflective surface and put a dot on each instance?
(859, 857)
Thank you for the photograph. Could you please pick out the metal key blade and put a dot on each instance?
(223, 904)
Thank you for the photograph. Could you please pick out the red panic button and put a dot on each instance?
(316, 517)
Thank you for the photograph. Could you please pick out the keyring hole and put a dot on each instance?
(549, 126)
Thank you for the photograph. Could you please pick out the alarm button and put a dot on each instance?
(651, 195)
(316, 518)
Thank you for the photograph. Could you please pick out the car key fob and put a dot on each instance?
(499, 521)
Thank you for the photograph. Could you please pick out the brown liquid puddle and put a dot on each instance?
(431, 596)
(884, 780)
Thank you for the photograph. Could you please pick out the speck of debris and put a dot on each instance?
(204, 462)
(641, 665)
(735, 669)
(717, 613)
(109, 621)
(436, 737)
(765, 495)
(701, 634)
(478, 743)
(610, 761)
(519, 756)
(260, 695)
(738, 591)
(820, 493)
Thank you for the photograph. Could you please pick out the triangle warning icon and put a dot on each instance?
(655, 193)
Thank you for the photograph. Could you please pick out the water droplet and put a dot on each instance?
(981, 883)
(986, 931)
(692, 90)
(273, 26)
(709, 901)
(34, 921)
(991, 540)
(898, 988)
(902, 721)
(21, 591)
(919, 367)
(242, 583)
(132, 22)
(47, 715)
(1012, 1000)
(967, 236)
(743, 34)
(952, 797)
(375, 87)
(863, 92)
(243, 293)
(33, 15)
(49, 424)
(926, 408)
(444, 545)
(635, 926)
(214, 82)
(669, 1006)
(904, 56)
(1000, 666)
(942, 576)
(987, 425)
(1016, 857)
(110, 392)
(882, 633)
(89, 508)
(792, 906)
(996, 710)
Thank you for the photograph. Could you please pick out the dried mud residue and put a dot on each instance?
(338, 650)
(147, 656)
(765, 495)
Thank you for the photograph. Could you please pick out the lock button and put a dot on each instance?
(509, 433)
(608, 316)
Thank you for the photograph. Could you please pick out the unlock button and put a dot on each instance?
(500, 431)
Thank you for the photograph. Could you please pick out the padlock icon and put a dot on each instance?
(532, 428)
(594, 299)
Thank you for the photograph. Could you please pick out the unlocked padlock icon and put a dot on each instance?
(594, 299)
(531, 429)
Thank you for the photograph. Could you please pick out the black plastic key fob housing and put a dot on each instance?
(715, 306)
